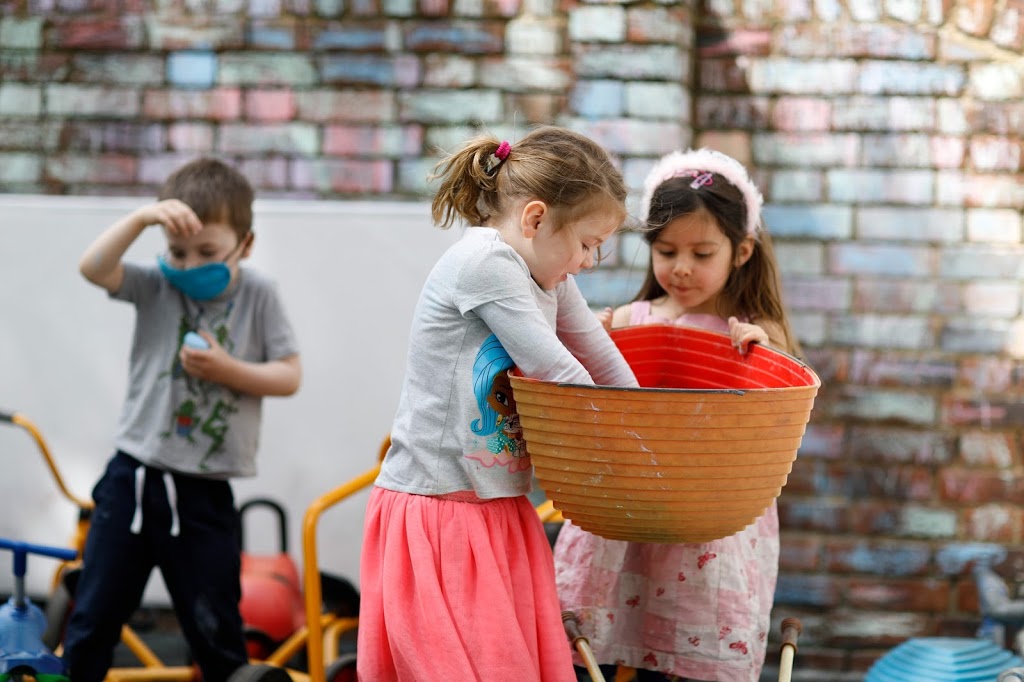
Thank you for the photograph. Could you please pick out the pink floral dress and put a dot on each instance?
(700, 611)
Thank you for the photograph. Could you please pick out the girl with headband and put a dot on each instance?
(695, 611)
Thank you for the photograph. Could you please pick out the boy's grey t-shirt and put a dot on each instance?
(173, 421)
(479, 313)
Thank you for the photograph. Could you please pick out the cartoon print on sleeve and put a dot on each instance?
(498, 417)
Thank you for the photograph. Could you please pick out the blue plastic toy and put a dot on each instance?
(942, 659)
(193, 340)
(22, 652)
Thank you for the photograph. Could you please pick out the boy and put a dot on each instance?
(189, 423)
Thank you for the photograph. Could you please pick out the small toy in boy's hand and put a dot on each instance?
(193, 340)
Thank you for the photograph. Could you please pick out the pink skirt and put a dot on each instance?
(456, 590)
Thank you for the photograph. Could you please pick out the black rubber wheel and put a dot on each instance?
(260, 672)
(342, 669)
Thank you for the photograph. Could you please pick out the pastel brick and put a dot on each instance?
(990, 153)
(20, 99)
(461, 38)
(927, 595)
(525, 74)
(18, 168)
(270, 105)
(341, 104)
(808, 590)
(265, 69)
(118, 136)
(598, 98)
(894, 445)
(627, 62)
(748, 112)
(387, 72)
(795, 77)
(670, 25)
(597, 23)
(906, 296)
(911, 78)
(274, 35)
(1007, 30)
(631, 135)
(154, 168)
(818, 293)
(900, 407)
(882, 331)
(797, 186)
(879, 558)
(376, 36)
(858, 40)
(884, 113)
(978, 261)
(192, 69)
(266, 173)
(93, 169)
(812, 221)
(218, 104)
(914, 187)
(442, 106)
(349, 177)
(80, 100)
(110, 32)
(449, 71)
(994, 225)
(986, 449)
(284, 138)
(806, 150)
(534, 36)
(994, 523)
(657, 100)
(193, 137)
(170, 32)
(29, 135)
(373, 141)
(814, 515)
(923, 225)
(21, 33)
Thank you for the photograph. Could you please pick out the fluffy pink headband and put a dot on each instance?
(695, 162)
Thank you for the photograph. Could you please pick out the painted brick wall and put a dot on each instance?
(885, 133)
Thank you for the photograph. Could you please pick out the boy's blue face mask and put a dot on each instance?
(200, 283)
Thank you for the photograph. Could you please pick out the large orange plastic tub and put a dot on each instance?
(695, 455)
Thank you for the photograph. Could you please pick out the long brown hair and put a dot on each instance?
(566, 170)
(752, 289)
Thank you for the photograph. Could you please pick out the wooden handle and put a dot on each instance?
(572, 627)
(791, 629)
(582, 646)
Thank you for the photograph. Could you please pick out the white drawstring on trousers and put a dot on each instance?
(172, 501)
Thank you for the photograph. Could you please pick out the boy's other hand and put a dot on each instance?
(176, 216)
(605, 318)
(211, 364)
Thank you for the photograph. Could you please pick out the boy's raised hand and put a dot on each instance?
(744, 333)
(605, 318)
(176, 216)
